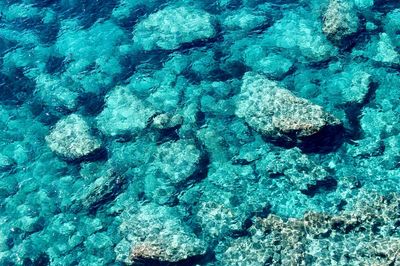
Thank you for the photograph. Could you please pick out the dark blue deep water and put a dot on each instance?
(227, 132)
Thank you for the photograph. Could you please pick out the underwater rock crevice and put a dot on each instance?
(354, 112)
(326, 185)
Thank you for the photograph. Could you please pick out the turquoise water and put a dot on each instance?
(228, 132)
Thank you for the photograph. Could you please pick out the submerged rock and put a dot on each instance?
(385, 51)
(171, 27)
(272, 65)
(106, 185)
(177, 165)
(280, 115)
(340, 21)
(167, 121)
(358, 89)
(245, 20)
(55, 93)
(299, 34)
(124, 113)
(71, 138)
(176, 247)
(178, 161)
(157, 234)
(304, 174)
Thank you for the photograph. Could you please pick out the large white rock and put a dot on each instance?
(71, 138)
(277, 113)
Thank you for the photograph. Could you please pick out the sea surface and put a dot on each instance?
(226, 132)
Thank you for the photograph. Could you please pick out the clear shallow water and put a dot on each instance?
(199, 133)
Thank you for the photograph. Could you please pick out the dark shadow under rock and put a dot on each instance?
(196, 260)
(15, 89)
(100, 154)
(325, 185)
(91, 103)
(328, 139)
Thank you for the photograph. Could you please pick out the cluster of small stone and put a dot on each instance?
(364, 235)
